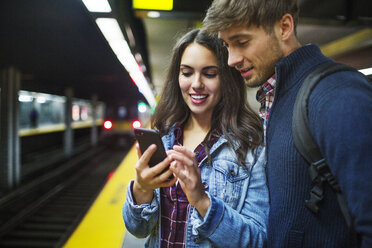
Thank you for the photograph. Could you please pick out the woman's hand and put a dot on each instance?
(149, 178)
(185, 168)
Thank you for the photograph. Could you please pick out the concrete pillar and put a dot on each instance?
(10, 166)
(69, 134)
(94, 131)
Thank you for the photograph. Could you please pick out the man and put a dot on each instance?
(261, 39)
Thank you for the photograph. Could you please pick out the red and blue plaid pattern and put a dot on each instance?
(265, 96)
(174, 203)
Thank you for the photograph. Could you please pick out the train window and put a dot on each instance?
(39, 110)
(75, 112)
(122, 112)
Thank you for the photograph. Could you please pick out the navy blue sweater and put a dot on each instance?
(340, 113)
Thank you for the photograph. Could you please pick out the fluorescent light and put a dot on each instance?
(41, 99)
(111, 30)
(25, 98)
(101, 6)
(366, 71)
(153, 14)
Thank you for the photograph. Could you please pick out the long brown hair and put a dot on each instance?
(237, 121)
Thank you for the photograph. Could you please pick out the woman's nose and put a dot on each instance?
(197, 81)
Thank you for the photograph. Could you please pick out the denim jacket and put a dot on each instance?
(237, 215)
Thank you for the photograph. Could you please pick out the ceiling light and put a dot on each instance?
(41, 99)
(25, 98)
(101, 6)
(111, 31)
(153, 14)
(366, 71)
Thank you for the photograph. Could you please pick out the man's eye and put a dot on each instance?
(242, 43)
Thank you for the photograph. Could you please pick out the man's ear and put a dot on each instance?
(286, 27)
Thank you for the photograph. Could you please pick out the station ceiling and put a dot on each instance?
(56, 43)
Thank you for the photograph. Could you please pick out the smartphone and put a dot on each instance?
(145, 138)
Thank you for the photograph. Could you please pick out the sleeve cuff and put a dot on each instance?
(143, 211)
(207, 225)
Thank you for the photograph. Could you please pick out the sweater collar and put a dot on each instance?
(297, 64)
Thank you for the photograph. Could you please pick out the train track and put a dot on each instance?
(49, 219)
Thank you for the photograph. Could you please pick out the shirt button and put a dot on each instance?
(197, 240)
(205, 185)
(232, 173)
(196, 153)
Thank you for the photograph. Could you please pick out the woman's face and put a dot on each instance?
(199, 80)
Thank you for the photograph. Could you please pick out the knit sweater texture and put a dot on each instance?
(340, 115)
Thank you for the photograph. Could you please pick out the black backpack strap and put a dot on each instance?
(306, 145)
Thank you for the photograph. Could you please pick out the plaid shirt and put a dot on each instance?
(265, 96)
(174, 203)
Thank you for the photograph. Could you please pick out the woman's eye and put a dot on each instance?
(210, 75)
(186, 73)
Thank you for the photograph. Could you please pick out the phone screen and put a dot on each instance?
(145, 138)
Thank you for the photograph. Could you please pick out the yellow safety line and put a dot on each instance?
(85, 124)
(103, 225)
(52, 128)
(348, 43)
(42, 130)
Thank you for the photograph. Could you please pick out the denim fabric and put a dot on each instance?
(237, 215)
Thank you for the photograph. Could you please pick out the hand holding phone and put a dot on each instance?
(145, 183)
(145, 138)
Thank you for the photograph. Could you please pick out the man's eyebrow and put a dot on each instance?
(238, 36)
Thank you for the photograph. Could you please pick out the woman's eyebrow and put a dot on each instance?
(204, 68)
(210, 67)
(183, 65)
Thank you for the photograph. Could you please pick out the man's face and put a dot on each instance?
(253, 52)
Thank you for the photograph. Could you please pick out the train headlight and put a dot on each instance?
(136, 124)
(107, 125)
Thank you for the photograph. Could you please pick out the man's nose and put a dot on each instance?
(235, 59)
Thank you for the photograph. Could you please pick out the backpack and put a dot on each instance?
(307, 147)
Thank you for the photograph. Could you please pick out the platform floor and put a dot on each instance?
(103, 225)
(132, 242)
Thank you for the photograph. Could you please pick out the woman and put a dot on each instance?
(218, 196)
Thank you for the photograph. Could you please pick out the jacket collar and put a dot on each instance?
(169, 138)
